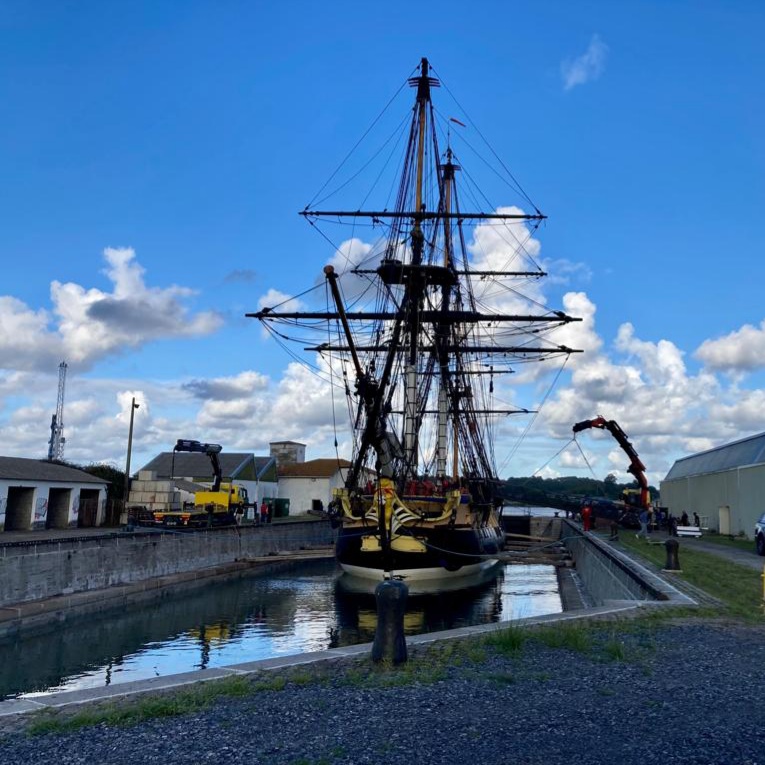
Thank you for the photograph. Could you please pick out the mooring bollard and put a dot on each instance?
(390, 643)
(614, 532)
(673, 562)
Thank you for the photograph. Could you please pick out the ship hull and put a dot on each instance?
(449, 554)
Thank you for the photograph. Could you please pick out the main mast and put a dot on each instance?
(411, 409)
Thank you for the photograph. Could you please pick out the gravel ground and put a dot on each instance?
(689, 692)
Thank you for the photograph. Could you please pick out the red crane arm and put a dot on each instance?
(637, 468)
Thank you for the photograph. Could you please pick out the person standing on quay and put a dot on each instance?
(263, 513)
(645, 519)
(586, 517)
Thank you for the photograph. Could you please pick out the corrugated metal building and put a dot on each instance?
(725, 485)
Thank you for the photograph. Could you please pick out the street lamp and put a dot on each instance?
(133, 407)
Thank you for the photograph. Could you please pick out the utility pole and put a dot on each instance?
(133, 407)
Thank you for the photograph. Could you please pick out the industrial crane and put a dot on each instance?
(219, 505)
(636, 467)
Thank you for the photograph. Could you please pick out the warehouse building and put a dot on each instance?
(36, 494)
(725, 486)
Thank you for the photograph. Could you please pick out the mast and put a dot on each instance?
(411, 413)
(443, 402)
(419, 342)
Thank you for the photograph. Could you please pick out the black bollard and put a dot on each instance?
(614, 532)
(673, 561)
(390, 643)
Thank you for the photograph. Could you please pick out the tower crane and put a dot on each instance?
(57, 440)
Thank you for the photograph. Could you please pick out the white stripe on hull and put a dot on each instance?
(419, 574)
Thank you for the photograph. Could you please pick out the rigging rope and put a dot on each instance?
(366, 133)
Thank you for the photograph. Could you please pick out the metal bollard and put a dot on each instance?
(673, 561)
(389, 640)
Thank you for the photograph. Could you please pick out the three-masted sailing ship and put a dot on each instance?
(418, 342)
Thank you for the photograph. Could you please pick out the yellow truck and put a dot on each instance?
(217, 506)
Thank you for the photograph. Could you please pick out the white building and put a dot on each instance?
(36, 494)
(306, 484)
(725, 486)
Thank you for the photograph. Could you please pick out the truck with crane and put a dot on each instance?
(634, 501)
(219, 505)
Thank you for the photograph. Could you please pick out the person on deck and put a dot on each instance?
(586, 517)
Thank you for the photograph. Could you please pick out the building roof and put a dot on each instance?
(189, 486)
(744, 453)
(22, 469)
(234, 465)
(321, 468)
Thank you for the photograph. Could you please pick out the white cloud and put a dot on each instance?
(88, 325)
(276, 299)
(587, 67)
(740, 351)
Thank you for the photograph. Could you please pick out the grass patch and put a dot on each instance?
(739, 588)
(738, 543)
(199, 697)
(270, 683)
(509, 640)
(574, 637)
(614, 649)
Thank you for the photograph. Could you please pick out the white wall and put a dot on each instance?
(39, 508)
(301, 491)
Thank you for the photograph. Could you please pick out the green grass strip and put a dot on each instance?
(131, 712)
(738, 587)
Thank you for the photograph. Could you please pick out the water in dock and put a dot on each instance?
(306, 608)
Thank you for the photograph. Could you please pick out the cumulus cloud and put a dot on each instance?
(279, 300)
(740, 351)
(666, 411)
(587, 67)
(88, 325)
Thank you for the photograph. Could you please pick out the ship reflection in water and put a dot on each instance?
(508, 593)
(307, 608)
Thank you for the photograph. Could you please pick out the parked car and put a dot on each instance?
(759, 535)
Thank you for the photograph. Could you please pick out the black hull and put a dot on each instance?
(449, 550)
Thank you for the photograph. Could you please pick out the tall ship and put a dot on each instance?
(423, 320)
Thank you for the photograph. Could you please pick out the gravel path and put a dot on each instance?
(684, 693)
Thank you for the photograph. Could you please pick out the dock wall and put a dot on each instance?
(44, 569)
(606, 575)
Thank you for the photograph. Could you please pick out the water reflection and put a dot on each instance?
(309, 608)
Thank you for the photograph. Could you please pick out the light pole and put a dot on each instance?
(133, 407)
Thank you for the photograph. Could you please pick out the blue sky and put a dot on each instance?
(155, 156)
